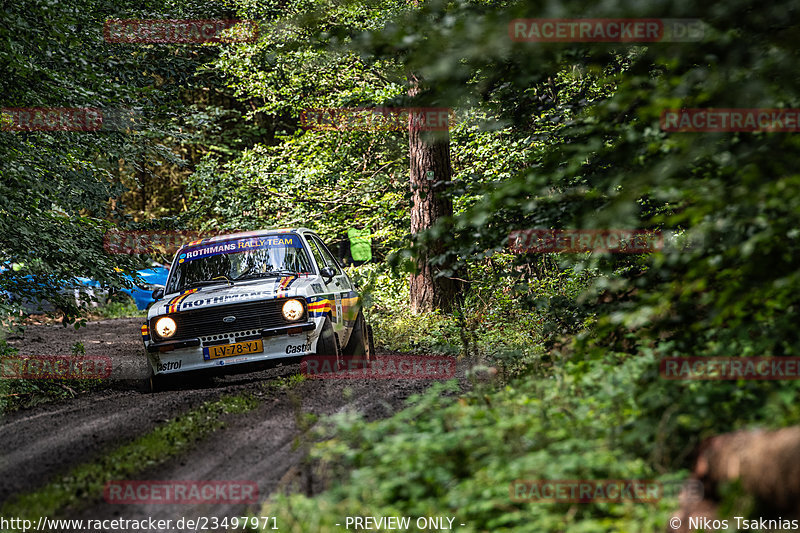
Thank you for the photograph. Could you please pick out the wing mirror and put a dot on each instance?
(327, 272)
(158, 293)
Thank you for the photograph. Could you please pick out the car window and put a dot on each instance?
(322, 254)
(315, 251)
(329, 256)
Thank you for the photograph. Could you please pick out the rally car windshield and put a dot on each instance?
(238, 260)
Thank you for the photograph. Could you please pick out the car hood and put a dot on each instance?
(247, 291)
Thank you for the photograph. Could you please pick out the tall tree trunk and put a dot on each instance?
(429, 153)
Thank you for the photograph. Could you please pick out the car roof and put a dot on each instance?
(244, 234)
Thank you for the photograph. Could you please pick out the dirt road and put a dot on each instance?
(43, 442)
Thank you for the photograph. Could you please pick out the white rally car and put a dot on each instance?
(270, 296)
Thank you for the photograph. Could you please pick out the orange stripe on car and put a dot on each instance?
(175, 302)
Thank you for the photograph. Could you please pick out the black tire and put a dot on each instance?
(150, 384)
(372, 351)
(139, 385)
(156, 383)
(162, 382)
(165, 382)
(361, 346)
(327, 345)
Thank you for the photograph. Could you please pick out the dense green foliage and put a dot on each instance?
(61, 191)
(548, 135)
(597, 159)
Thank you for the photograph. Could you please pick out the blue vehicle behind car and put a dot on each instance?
(154, 278)
(91, 291)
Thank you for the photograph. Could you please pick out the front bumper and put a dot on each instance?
(187, 355)
(167, 346)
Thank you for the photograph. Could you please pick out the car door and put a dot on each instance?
(339, 286)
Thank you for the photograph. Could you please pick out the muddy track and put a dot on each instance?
(42, 442)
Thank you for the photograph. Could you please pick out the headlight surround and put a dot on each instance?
(165, 327)
(292, 310)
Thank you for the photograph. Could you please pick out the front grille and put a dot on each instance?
(249, 316)
(226, 338)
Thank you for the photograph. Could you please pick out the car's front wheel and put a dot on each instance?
(361, 346)
(327, 344)
(149, 384)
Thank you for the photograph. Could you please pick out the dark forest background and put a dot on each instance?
(546, 135)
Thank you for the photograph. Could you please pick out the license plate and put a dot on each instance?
(229, 350)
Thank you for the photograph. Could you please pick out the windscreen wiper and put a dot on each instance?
(206, 282)
(267, 274)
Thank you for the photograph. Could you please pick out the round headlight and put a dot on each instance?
(292, 310)
(165, 327)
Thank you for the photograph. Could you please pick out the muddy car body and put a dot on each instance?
(267, 296)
